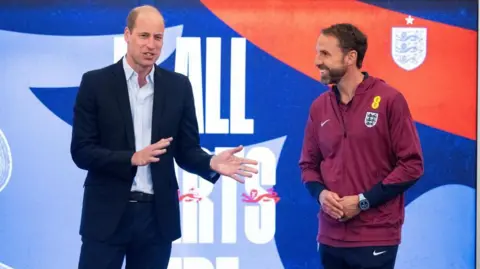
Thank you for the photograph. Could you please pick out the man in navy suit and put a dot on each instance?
(131, 120)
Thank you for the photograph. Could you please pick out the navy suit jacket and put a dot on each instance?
(103, 144)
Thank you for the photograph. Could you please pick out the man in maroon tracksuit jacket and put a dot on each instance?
(360, 153)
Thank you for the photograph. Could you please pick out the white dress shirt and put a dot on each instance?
(141, 104)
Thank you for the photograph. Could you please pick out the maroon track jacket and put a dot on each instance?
(368, 146)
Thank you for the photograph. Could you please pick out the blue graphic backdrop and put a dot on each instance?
(44, 55)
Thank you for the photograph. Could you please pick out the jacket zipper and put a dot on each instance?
(343, 125)
(337, 110)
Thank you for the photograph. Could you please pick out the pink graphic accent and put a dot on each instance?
(255, 198)
(191, 196)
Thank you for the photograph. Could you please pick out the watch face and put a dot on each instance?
(364, 204)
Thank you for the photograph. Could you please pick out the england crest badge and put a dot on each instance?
(409, 46)
(371, 119)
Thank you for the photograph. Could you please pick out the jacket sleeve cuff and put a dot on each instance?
(382, 193)
(315, 188)
(214, 177)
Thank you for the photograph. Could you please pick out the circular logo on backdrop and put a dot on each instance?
(5, 161)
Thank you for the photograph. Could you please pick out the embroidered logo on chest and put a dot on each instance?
(371, 119)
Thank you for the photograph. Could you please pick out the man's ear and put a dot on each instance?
(126, 34)
(352, 57)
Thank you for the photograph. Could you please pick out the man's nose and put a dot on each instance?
(151, 43)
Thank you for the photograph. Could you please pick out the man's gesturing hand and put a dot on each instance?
(150, 153)
(330, 204)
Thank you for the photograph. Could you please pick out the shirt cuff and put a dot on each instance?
(315, 188)
(382, 193)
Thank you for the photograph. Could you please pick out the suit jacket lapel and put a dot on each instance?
(121, 91)
(159, 96)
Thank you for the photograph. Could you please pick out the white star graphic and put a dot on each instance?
(409, 19)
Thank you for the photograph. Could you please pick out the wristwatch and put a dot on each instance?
(363, 203)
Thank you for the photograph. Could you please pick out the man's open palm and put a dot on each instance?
(227, 164)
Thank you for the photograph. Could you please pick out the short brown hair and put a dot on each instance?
(349, 38)
(133, 14)
(131, 19)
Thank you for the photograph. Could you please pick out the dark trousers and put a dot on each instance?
(137, 239)
(358, 257)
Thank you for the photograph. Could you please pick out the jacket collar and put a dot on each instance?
(364, 86)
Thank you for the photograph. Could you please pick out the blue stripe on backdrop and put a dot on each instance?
(461, 13)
